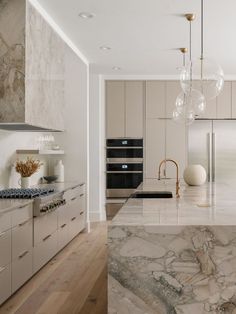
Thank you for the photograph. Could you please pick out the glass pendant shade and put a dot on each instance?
(204, 75)
(185, 116)
(192, 101)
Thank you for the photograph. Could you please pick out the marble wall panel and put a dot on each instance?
(45, 73)
(189, 271)
(12, 60)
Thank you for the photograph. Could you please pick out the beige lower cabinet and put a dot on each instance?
(5, 282)
(22, 247)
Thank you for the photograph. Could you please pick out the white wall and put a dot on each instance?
(9, 143)
(96, 143)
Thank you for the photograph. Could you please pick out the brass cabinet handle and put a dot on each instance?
(2, 269)
(72, 219)
(47, 237)
(74, 198)
(63, 226)
(82, 184)
(81, 195)
(81, 213)
(2, 234)
(23, 254)
(23, 223)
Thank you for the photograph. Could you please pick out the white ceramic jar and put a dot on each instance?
(59, 171)
(195, 175)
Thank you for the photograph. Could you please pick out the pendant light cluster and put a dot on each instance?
(201, 79)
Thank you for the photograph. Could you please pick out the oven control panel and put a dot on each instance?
(47, 208)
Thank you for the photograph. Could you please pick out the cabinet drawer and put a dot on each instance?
(22, 269)
(44, 251)
(75, 207)
(5, 283)
(22, 238)
(22, 214)
(5, 222)
(74, 192)
(76, 225)
(63, 216)
(62, 236)
(45, 225)
(5, 248)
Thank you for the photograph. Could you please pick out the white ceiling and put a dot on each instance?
(144, 34)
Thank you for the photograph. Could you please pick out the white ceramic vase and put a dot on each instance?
(195, 175)
(25, 182)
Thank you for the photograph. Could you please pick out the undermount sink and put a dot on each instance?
(152, 194)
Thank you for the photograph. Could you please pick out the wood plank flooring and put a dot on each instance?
(74, 282)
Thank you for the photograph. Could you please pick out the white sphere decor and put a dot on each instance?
(195, 175)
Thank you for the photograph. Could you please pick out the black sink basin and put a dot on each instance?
(152, 194)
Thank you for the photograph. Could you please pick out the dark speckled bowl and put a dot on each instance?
(50, 179)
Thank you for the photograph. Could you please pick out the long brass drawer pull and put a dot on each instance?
(47, 237)
(82, 184)
(81, 195)
(81, 213)
(72, 219)
(23, 254)
(23, 223)
(2, 269)
(2, 234)
(74, 198)
(63, 226)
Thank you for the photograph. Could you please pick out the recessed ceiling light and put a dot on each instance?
(116, 68)
(86, 15)
(105, 48)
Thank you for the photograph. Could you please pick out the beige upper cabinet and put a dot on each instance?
(155, 99)
(233, 100)
(124, 108)
(173, 89)
(115, 109)
(224, 107)
(134, 94)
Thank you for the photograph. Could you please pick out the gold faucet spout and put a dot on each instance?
(164, 161)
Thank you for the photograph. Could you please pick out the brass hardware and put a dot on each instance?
(183, 50)
(23, 223)
(63, 226)
(177, 174)
(81, 213)
(72, 219)
(23, 254)
(190, 17)
(47, 237)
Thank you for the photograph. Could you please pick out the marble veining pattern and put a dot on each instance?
(45, 73)
(172, 270)
(12, 60)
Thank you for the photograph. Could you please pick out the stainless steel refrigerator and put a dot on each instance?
(213, 145)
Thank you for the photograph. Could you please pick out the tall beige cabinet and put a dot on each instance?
(124, 109)
(164, 138)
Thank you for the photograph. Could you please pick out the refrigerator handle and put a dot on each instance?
(209, 156)
(213, 157)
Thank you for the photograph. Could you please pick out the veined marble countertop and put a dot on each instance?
(210, 204)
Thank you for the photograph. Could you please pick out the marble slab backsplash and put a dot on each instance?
(172, 270)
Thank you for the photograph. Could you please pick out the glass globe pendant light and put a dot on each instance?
(202, 73)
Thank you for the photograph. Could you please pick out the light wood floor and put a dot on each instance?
(75, 281)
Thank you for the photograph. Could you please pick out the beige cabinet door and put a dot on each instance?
(175, 147)
(115, 109)
(233, 100)
(224, 106)
(173, 89)
(155, 99)
(134, 93)
(155, 146)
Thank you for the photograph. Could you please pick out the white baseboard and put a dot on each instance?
(94, 216)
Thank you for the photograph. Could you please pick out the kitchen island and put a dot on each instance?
(174, 255)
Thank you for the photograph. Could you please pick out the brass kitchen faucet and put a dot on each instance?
(164, 161)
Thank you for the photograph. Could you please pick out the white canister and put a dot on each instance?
(24, 182)
(59, 171)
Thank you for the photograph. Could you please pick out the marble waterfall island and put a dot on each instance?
(170, 256)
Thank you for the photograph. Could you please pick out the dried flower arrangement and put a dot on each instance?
(28, 167)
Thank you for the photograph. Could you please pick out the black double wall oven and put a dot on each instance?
(124, 166)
